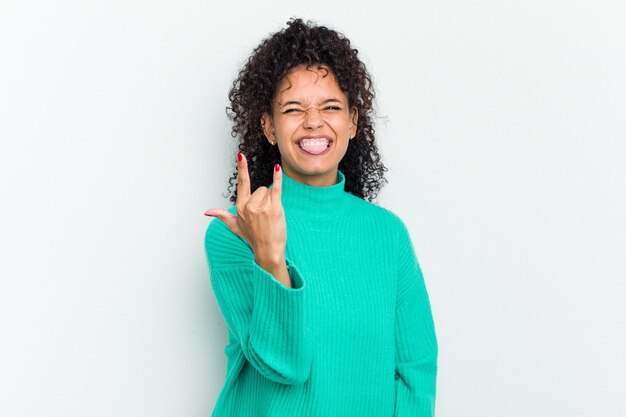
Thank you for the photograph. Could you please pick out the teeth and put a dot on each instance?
(307, 142)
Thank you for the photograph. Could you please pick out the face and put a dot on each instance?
(311, 125)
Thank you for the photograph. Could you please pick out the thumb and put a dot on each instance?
(227, 217)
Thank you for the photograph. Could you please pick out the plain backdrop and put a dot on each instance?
(503, 127)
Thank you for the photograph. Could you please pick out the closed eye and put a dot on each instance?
(292, 110)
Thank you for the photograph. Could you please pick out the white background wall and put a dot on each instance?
(503, 127)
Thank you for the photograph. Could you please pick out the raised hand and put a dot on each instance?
(260, 220)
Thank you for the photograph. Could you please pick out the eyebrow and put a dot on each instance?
(297, 103)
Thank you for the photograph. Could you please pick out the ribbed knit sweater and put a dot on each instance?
(355, 334)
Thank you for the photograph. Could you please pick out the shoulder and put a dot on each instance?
(377, 213)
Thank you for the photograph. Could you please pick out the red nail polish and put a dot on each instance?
(239, 156)
(276, 167)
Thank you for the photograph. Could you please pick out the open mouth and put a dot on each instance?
(315, 146)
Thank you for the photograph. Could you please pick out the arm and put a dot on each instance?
(416, 342)
(266, 317)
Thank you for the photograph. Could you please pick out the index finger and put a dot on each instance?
(243, 178)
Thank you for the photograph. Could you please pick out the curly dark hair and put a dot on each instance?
(255, 87)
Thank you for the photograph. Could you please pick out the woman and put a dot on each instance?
(324, 299)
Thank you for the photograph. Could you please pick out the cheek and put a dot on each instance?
(285, 126)
(341, 126)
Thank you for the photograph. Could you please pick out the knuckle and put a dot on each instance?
(277, 213)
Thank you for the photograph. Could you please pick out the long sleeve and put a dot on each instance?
(416, 342)
(265, 318)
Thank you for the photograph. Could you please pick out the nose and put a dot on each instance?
(313, 118)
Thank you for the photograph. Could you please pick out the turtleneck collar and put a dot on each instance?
(300, 197)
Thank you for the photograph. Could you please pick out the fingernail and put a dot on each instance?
(239, 156)
(276, 167)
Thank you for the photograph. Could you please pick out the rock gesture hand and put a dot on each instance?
(260, 220)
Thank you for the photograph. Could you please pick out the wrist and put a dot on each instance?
(269, 257)
(278, 269)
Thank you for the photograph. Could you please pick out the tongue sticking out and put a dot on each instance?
(314, 147)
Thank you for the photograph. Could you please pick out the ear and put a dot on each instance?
(354, 118)
(267, 124)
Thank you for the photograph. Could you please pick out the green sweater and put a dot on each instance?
(353, 337)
